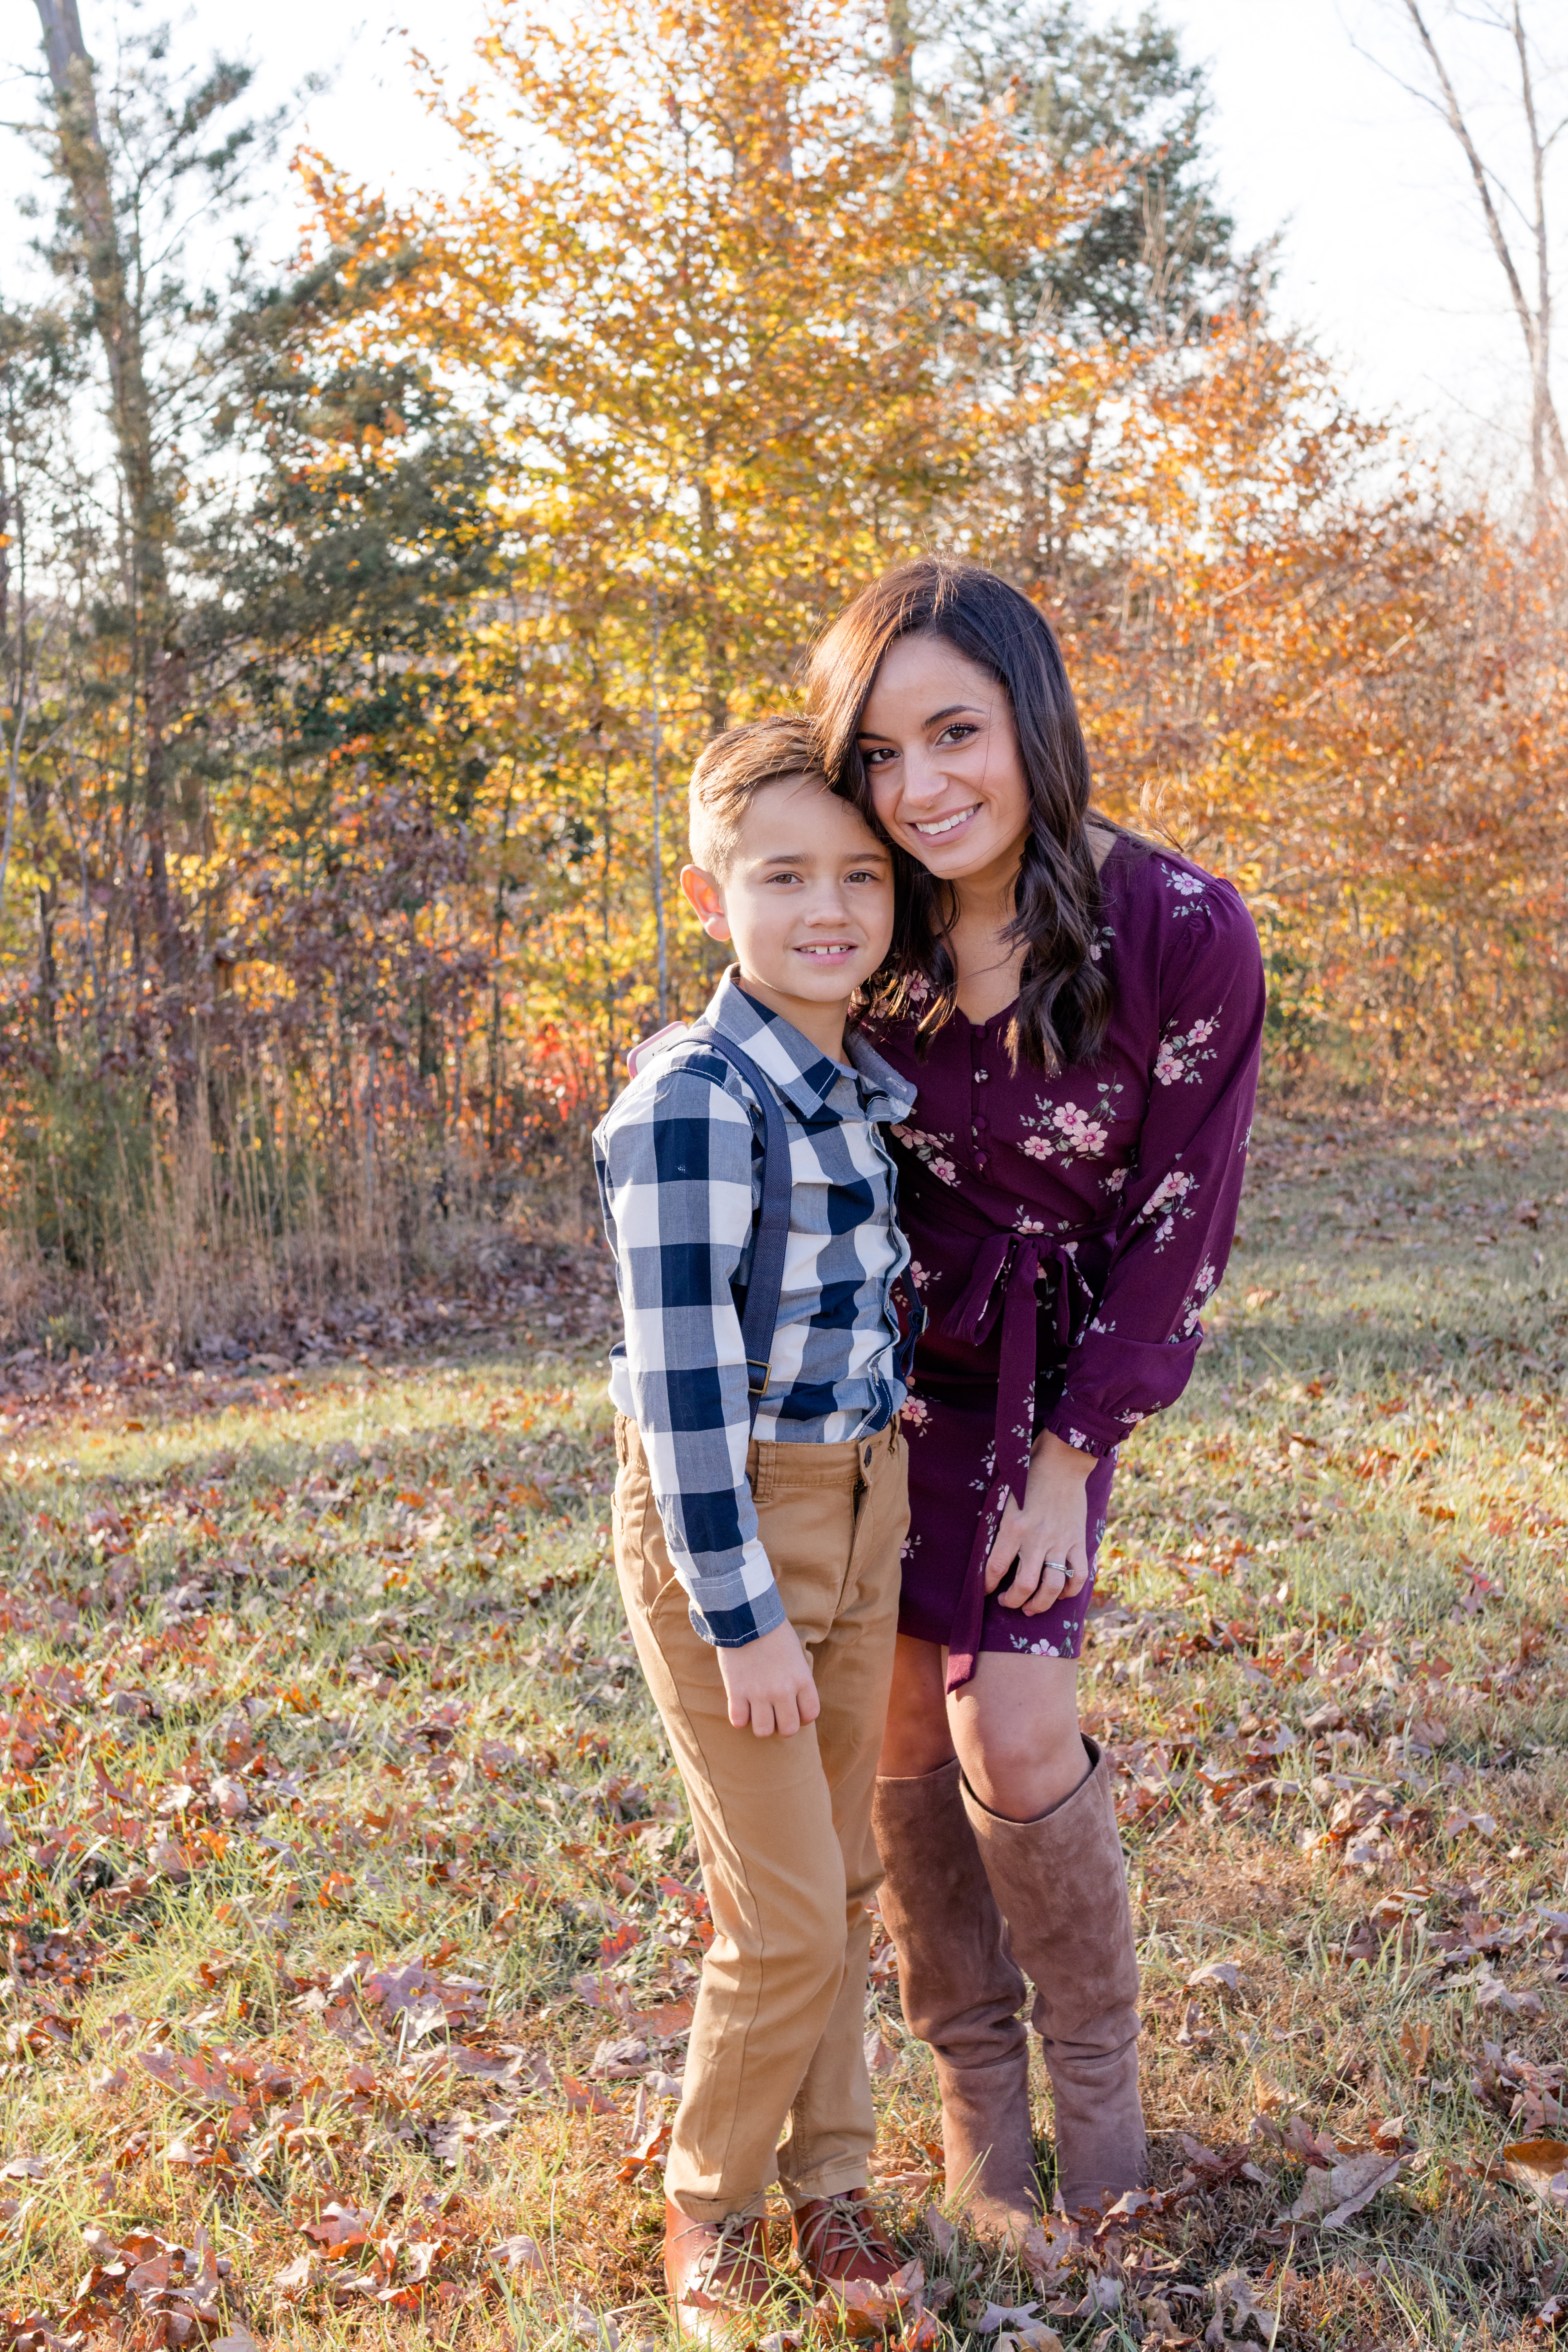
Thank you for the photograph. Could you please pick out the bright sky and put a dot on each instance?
(1385, 257)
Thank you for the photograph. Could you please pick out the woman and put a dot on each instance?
(1081, 1013)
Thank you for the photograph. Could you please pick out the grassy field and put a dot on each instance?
(353, 1919)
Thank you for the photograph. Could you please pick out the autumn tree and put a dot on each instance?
(1153, 260)
(130, 197)
(430, 556)
(723, 310)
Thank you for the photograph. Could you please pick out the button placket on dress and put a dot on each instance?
(979, 1127)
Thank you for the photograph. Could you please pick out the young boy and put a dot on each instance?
(759, 1570)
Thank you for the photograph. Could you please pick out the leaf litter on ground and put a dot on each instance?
(347, 1877)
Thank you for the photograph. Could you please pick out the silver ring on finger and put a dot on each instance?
(1057, 1567)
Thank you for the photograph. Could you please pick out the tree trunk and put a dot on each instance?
(901, 66)
(49, 917)
(158, 660)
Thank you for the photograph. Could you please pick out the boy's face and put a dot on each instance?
(807, 898)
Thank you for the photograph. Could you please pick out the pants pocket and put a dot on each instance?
(642, 1554)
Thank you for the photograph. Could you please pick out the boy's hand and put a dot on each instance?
(769, 1684)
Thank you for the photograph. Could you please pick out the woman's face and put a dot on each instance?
(942, 757)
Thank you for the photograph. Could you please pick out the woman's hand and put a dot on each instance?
(1048, 1535)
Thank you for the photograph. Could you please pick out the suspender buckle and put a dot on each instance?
(757, 1377)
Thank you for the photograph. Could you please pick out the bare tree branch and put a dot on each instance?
(1535, 324)
(1460, 129)
(1546, 414)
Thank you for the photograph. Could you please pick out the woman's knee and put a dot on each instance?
(1018, 1762)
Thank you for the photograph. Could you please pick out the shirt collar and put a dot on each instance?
(803, 1075)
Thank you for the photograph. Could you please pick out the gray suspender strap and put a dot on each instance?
(760, 1314)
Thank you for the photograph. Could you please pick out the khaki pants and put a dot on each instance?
(784, 1826)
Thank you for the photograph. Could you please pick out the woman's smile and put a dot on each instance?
(934, 828)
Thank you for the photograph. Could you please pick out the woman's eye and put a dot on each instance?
(957, 733)
(879, 756)
(864, 874)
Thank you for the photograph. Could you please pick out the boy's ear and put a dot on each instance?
(707, 900)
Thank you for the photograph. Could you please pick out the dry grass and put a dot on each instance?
(310, 1677)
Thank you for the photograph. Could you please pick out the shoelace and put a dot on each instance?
(847, 2228)
(730, 2247)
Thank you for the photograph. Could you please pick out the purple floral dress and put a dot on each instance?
(1066, 1233)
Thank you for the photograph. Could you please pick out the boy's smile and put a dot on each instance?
(807, 898)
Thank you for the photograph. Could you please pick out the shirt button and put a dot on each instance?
(980, 1075)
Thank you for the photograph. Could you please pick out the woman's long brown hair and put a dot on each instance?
(1065, 996)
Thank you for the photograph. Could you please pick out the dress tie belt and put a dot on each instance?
(1007, 1267)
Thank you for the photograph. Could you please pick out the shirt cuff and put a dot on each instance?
(737, 1628)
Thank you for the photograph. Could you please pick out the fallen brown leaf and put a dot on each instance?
(1540, 2165)
(881, 2057)
(583, 2099)
(1329, 2197)
(1224, 1975)
(1415, 2047)
(943, 2236)
(339, 2228)
(654, 2143)
(519, 2253)
(866, 2312)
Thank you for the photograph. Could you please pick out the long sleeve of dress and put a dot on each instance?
(1178, 1220)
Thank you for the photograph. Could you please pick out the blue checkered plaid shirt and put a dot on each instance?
(679, 1160)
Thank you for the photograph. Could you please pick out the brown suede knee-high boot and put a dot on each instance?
(962, 1993)
(1061, 1883)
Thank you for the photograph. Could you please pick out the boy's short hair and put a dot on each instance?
(733, 769)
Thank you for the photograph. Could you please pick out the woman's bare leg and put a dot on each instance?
(1013, 1725)
(1015, 1729)
(917, 1738)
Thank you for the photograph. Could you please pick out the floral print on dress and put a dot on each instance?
(1167, 1202)
(1196, 1299)
(1071, 1130)
(933, 1152)
(1181, 1057)
(1072, 1133)
(1188, 888)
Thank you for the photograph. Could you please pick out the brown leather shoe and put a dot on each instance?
(838, 2239)
(717, 2274)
